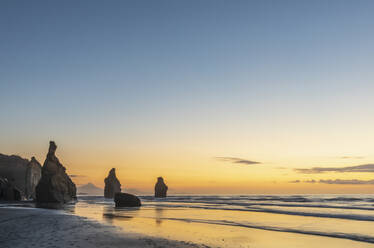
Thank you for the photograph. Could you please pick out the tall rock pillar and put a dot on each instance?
(160, 188)
(112, 184)
(55, 186)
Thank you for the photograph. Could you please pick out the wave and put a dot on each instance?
(279, 205)
(277, 211)
(315, 214)
(313, 206)
(253, 198)
(345, 199)
(249, 199)
(233, 198)
(231, 202)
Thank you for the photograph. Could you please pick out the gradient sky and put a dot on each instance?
(163, 88)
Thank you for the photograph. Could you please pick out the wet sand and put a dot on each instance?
(41, 228)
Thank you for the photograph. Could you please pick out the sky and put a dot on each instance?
(218, 97)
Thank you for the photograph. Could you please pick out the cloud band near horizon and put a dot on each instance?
(237, 160)
(316, 170)
(337, 181)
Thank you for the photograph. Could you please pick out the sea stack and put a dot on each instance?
(160, 188)
(55, 186)
(33, 175)
(112, 185)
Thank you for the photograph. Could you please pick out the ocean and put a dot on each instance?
(244, 220)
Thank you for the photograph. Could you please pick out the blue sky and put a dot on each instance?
(187, 72)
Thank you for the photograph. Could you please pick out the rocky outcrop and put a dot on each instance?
(55, 186)
(8, 191)
(112, 184)
(126, 200)
(33, 175)
(160, 188)
(24, 174)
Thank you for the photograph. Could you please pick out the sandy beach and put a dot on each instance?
(30, 227)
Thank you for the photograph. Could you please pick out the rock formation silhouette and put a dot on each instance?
(160, 188)
(33, 175)
(8, 191)
(126, 200)
(24, 174)
(112, 184)
(55, 186)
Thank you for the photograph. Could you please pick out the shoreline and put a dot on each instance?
(34, 227)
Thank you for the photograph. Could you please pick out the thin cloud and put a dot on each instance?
(336, 181)
(237, 160)
(305, 181)
(358, 168)
(310, 181)
(76, 175)
(351, 157)
(343, 181)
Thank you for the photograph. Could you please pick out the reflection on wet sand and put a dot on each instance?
(159, 215)
(70, 208)
(110, 213)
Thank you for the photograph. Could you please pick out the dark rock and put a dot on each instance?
(55, 186)
(3, 183)
(13, 168)
(160, 188)
(112, 184)
(126, 200)
(8, 191)
(24, 174)
(33, 175)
